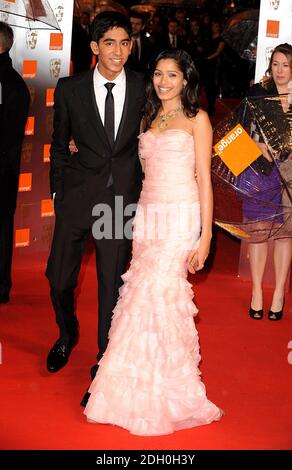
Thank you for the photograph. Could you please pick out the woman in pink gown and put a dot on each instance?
(148, 380)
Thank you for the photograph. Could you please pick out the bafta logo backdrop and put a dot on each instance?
(55, 68)
(41, 57)
(275, 4)
(31, 39)
(59, 12)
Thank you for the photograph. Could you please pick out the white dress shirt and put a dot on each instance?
(118, 91)
(172, 40)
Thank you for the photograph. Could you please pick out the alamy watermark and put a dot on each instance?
(153, 221)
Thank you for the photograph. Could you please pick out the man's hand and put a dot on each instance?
(72, 147)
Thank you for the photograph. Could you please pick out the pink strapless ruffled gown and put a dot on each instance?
(148, 380)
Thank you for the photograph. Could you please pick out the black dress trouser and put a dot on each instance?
(112, 256)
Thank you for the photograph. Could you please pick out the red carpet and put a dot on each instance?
(245, 367)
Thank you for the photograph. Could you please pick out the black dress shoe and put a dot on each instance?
(86, 395)
(59, 354)
(4, 298)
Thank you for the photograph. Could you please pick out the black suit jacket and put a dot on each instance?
(145, 57)
(165, 42)
(13, 115)
(77, 116)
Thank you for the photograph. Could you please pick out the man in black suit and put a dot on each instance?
(172, 40)
(101, 110)
(142, 46)
(14, 104)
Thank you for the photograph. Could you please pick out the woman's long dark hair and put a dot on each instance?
(189, 94)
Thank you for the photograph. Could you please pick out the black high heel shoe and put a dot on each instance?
(274, 316)
(256, 314)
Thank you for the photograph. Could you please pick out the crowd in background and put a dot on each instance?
(222, 72)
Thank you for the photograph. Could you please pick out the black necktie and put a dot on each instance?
(109, 113)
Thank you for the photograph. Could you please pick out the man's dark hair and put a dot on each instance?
(6, 37)
(107, 20)
(138, 16)
(172, 20)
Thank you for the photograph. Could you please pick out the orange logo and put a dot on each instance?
(46, 153)
(50, 97)
(22, 237)
(29, 68)
(56, 41)
(273, 28)
(29, 128)
(11, 1)
(25, 182)
(237, 150)
(47, 208)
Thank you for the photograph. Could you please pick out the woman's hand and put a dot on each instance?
(72, 147)
(198, 255)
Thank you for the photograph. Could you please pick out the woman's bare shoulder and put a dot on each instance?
(201, 119)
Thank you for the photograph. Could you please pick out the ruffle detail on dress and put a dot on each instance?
(148, 409)
(148, 381)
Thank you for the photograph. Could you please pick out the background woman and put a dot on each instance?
(278, 112)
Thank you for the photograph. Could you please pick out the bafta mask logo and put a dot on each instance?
(268, 54)
(275, 4)
(59, 12)
(26, 152)
(4, 14)
(55, 68)
(31, 39)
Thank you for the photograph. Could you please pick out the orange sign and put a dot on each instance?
(29, 128)
(237, 150)
(46, 153)
(50, 97)
(56, 41)
(29, 68)
(273, 28)
(47, 208)
(22, 237)
(25, 182)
